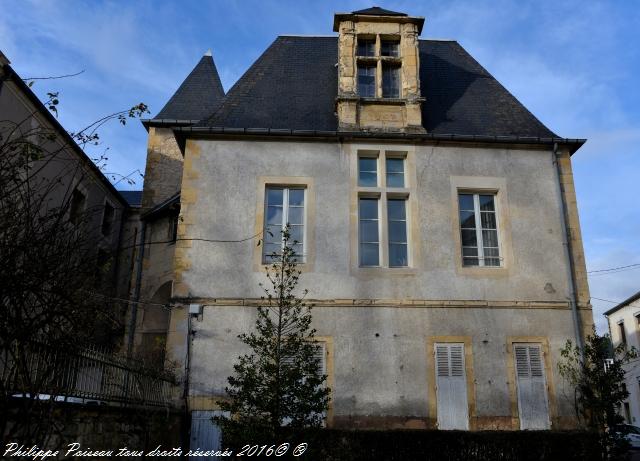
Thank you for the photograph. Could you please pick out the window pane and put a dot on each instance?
(488, 219)
(469, 251)
(298, 251)
(396, 209)
(389, 48)
(395, 172)
(296, 234)
(490, 238)
(368, 171)
(368, 208)
(366, 47)
(486, 203)
(369, 254)
(296, 197)
(270, 248)
(274, 196)
(467, 219)
(491, 262)
(398, 255)
(369, 231)
(470, 261)
(273, 234)
(274, 215)
(367, 81)
(390, 82)
(398, 231)
(469, 238)
(465, 202)
(296, 215)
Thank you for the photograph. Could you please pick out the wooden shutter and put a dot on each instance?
(533, 405)
(451, 387)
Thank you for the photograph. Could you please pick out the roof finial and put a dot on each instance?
(208, 53)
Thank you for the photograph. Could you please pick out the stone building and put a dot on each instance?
(437, 217)
(624, 328)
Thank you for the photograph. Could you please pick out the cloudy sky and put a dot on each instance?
(574, 64)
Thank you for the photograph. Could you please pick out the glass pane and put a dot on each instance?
(469, 238)
(366, 81)
(296, 234)
(395, 179)
(369, 254)
(298, 251)
(465, 202)
(368, 179)
(469, 251)
(398, 255)
(367, 168)
(491, 262)
(389, 48)
(274, 215)
(369, 231)
(366, 47)
(270, 248)
(467, 219)
(490, 238)
(273, 234)
(486, 203)
(296, 197)
(488, 219)
(368, 208)
(491, 252)
(390, 82)
(274, 196)
(395, 165)
(470, 261)
(296, 215)
(396, 209)
(398, 231)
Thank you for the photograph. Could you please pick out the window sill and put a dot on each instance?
(483, 271)
(384, 271)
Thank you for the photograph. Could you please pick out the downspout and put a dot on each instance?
(136, 293)
(566, 243)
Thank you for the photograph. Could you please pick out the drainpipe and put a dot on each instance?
(566, 243)
(136, 293)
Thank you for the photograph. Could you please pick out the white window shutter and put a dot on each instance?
(532, 387)
(451, 386)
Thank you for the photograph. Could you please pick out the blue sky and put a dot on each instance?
(574, 64)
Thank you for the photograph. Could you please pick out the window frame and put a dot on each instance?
(477, 213)
(109, 232)
(285, 215)
(383, 194)
(379, 62)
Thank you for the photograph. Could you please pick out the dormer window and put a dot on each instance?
(378, 67)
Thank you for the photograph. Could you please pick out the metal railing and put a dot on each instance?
(32, 369)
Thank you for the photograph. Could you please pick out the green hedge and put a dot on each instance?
(343, 445)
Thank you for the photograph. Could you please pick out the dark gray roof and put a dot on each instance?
(198, 96)
(293, 85)
(133, 197)
(377, 11)
(624, 303)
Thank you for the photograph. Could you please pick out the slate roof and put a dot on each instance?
(377, 11)
(198, 96)
(293, 85)
(133, 197)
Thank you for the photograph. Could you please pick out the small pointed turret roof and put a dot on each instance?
(377, 11)
(199, 95)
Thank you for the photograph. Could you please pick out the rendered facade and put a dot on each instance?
(437, 221)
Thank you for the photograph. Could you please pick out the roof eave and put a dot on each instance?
(624, 303)
(339, 17)
(166, 122)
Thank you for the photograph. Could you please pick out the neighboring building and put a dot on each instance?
(71, 180)
(437, 217)
(624, 328)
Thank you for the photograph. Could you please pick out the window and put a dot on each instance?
(366, 46)
(478, 230)
(390, 48)
(379, 68)
(382, 211)
(76, 206)
(451, 386)
(623, 335)
(107, 219)
(367, 81)
(283, 205)
(172, 230)
(533, 406)
(390, 81)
